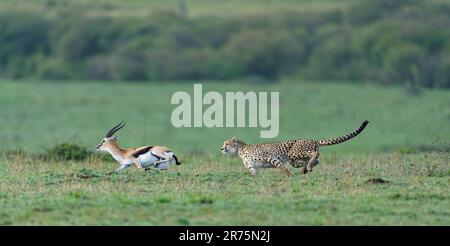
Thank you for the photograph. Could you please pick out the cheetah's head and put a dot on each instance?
(231, 146)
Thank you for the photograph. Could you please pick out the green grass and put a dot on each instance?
(405, 144)
(38, 115)
(216, 190)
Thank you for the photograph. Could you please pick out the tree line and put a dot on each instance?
(387, 42)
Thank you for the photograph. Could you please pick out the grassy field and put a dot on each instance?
(216, 190)
(406, 145)
(36, 115)
(195, 8)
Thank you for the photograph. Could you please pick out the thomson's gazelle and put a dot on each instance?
(143, 157)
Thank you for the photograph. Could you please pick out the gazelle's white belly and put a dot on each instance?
(148, 159)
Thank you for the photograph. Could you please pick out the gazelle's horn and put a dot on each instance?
(115, 129)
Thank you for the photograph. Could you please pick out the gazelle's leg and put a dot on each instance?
(161, 165)
(164, 161)
(163, 157)
(137, 163)
(121, 167)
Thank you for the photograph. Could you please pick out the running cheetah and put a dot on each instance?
(300, 153)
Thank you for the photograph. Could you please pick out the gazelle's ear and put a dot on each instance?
(115, 138)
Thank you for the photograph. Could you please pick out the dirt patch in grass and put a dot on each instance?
(377, 181)
(89, 174)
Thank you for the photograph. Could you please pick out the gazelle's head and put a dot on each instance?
(109, 140)
(231, 146)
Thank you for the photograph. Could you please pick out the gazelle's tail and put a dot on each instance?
(344, 138)
(176, 160)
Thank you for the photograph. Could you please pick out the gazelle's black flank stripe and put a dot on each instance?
(345, 137)
(142, 151)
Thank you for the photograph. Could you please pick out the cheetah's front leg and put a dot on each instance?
(278, 164)
(251, 168)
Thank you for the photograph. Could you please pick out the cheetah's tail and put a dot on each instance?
(344, 138)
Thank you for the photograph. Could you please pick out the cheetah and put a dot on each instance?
(301, 153)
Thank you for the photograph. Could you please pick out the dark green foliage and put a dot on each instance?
(24, 39)
(67, 151)
(267, 53)
(200, 199)
(392, 42)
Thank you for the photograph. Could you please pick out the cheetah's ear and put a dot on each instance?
(236, 140)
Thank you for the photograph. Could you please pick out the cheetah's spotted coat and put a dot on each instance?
(302, 153)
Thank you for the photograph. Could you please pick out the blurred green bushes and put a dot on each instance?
(66, 151)
(392, 42)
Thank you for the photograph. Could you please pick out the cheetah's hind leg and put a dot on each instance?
(299, 163)
(312, 162)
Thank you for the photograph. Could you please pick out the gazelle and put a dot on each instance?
(143, 157)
